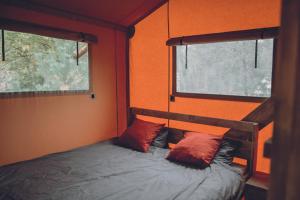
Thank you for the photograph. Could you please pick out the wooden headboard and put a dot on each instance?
(247, 131)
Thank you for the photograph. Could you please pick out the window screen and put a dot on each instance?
(37, 63)
(239, 68)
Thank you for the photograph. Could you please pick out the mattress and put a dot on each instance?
(107, 171)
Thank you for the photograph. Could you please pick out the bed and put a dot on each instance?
(108, 171)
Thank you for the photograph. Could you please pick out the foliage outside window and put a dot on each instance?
(238, 68)
(36, 63)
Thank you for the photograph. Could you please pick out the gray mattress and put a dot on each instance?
(107, 171)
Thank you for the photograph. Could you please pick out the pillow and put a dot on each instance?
(227, 151)
(171, 145)
(139, 135)
(196, 149)
(161, 139)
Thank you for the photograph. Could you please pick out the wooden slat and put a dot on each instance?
(244, 150)
(237, 125)
(253, 159)
(252, 34)
(26, 27)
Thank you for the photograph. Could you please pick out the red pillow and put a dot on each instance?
(197, 149)
(140, 135)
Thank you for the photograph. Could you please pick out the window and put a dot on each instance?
(225, 69)
(35, 63)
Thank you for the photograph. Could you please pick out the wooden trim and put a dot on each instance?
(220, 97)
(237, 125)
(63, 13)
(252, 34)
(26, 27)
(146, 14)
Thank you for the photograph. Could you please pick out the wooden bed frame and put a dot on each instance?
(246, 133)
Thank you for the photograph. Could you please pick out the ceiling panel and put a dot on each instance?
(123, 12)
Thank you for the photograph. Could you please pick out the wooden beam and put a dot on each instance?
(262, 115)
(148, 12)
(252, 34)
(285, 159)
(63, 13)
(26, 27)
(237, 125)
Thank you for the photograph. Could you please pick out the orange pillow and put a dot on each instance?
(140, 135)
(197, 149)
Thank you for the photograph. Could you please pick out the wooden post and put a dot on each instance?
(285, 166)
(252, 165)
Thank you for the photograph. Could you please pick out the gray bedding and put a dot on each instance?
(107, 171)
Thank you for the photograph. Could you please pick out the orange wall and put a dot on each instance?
(34, 126)
(149, 56)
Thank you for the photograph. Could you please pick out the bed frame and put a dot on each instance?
(246, 133)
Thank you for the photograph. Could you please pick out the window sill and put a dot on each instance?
(43, 93)
(220, 97)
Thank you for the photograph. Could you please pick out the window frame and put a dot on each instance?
(55, 92)
(222, 37)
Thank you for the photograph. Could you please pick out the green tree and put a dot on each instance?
(38, 63)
